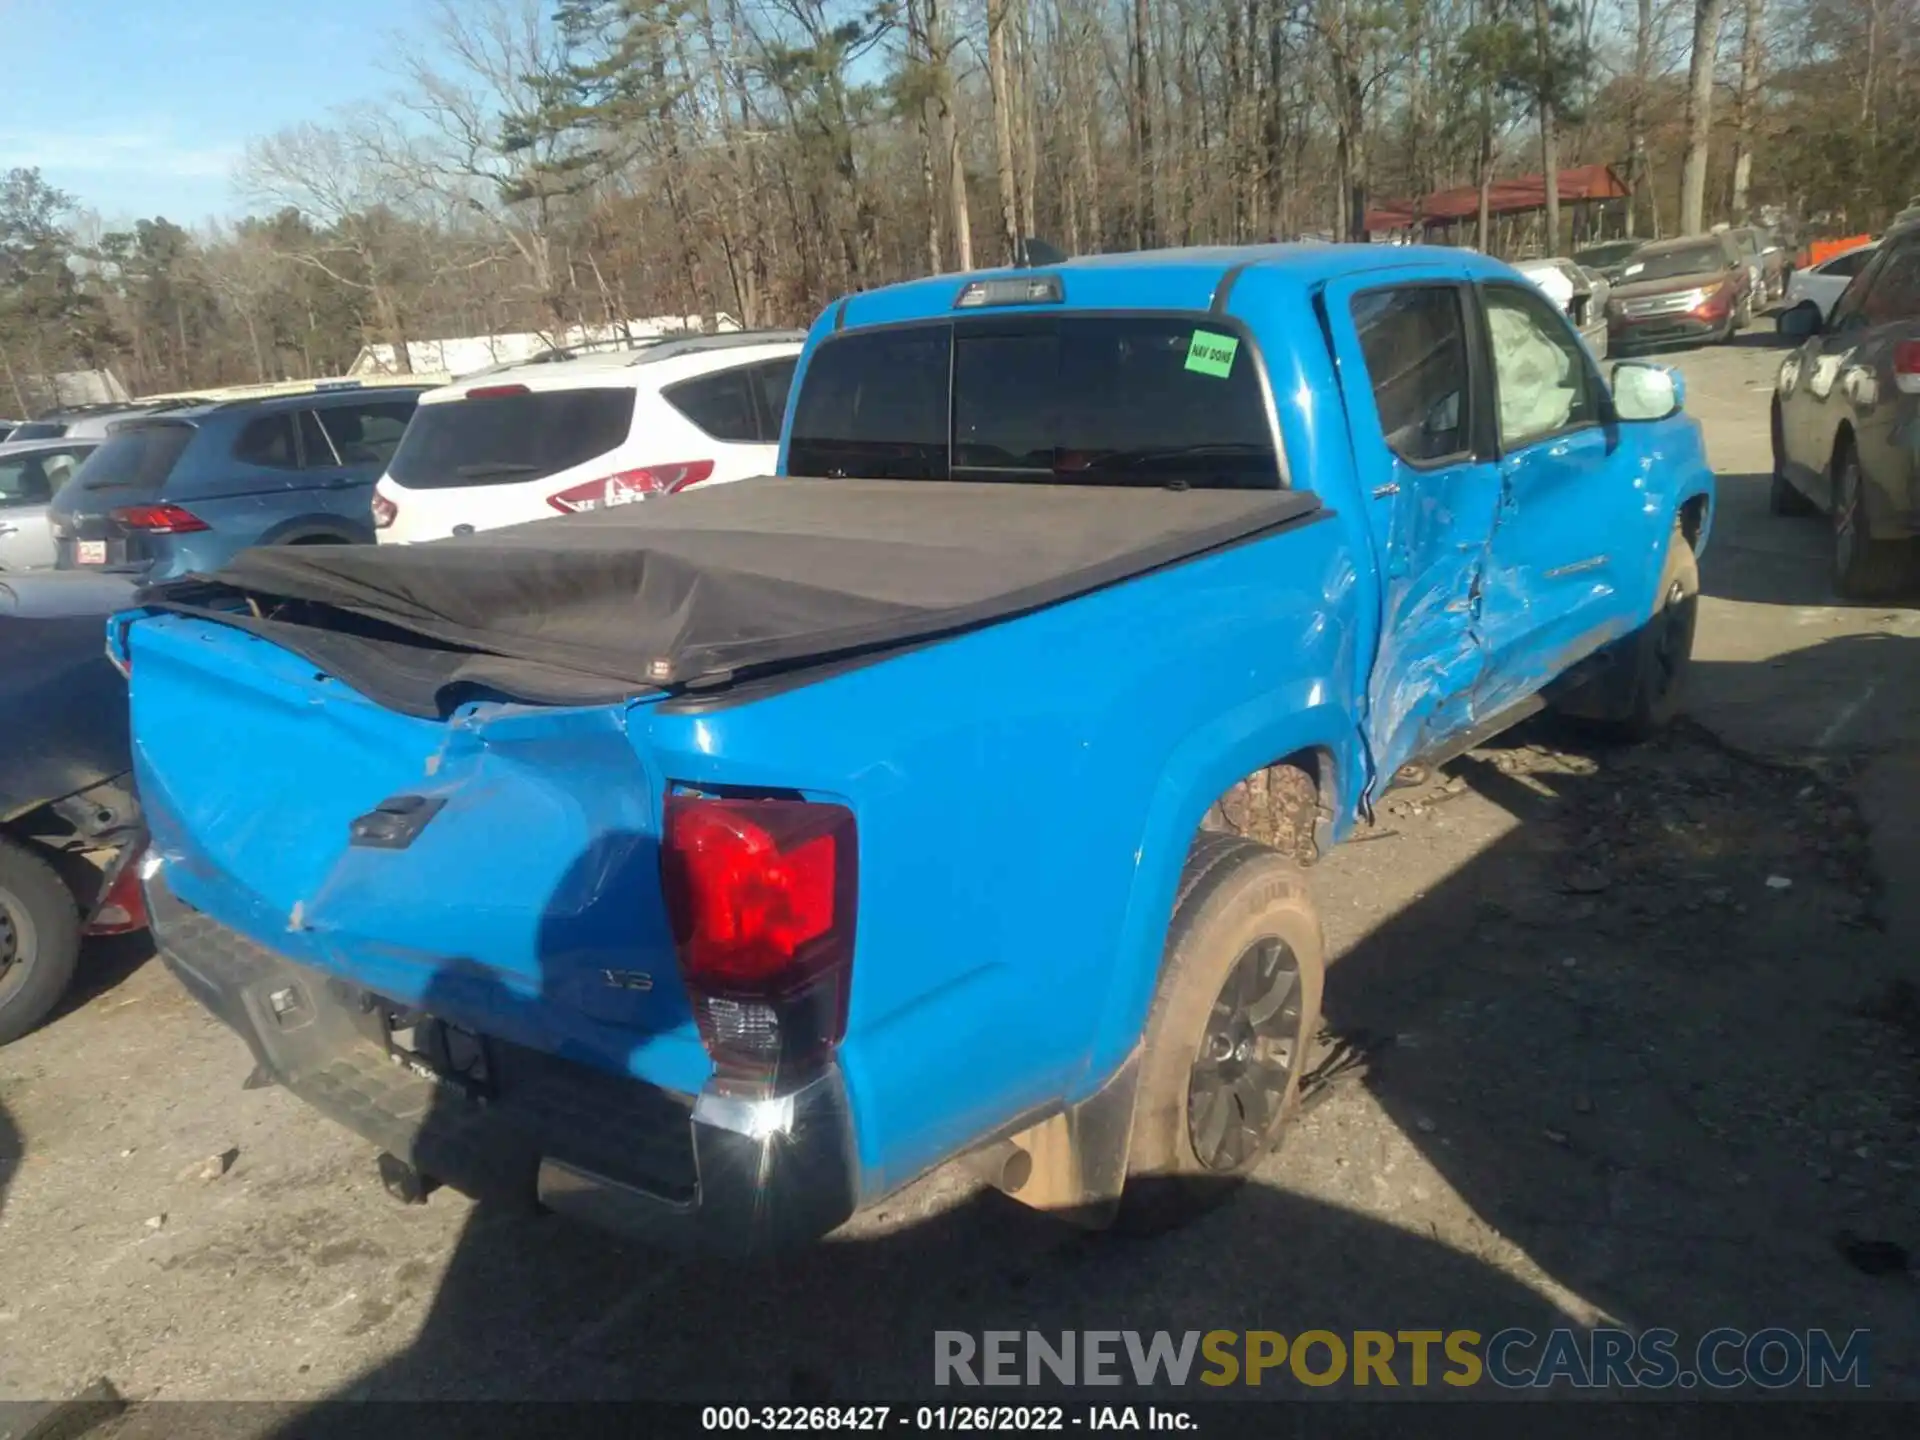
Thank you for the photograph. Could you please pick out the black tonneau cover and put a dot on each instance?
(713, 585)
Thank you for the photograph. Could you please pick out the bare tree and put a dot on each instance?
(335, 178)
(1746, 103)
(1707, 15)
(1544, 88)
(940, 57)
(1000, 77)
(243, 270)
(1638, 180)
(487, 69)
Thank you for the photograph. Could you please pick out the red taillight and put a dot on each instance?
(1906, 366)
(495, 392)
(629, 486)
(157, 519)
(385, 512)
(761, 895)
(122, 908)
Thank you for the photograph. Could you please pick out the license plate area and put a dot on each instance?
(436, 1050)
(90, 552)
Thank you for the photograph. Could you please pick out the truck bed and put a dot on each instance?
(713, 586)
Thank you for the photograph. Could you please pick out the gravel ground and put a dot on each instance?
(1616, 1034)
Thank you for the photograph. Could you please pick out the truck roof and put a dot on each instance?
(1179, 279)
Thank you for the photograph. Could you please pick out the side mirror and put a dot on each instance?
(1801, 322)
(1645, 391)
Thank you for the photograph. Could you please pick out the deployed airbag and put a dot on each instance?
(712, 584)
(1537, 381)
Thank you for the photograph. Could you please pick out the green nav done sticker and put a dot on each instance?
(1212, 354)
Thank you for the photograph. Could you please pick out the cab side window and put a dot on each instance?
(1896, 289)
(23, 481)
(1543, 382)
(1847, 310)
(268, 441)
(720, 405)
(1415, 343)
(314, 443)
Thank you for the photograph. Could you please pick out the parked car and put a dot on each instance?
(1679, 290)
(31, 474)
(1845, 409)
(1823, 283)
(70, 828)
(1135, 579)
(81, 422)
(1608, 259)
(277, 389)
(1768, 260)
(556, 437)
(186, 489)
(1582, 293)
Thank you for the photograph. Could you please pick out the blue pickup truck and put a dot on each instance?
(710, 868)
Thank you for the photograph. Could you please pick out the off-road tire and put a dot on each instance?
(1236, 899)
(1656, 659)
(1863, 568)
(42, 928)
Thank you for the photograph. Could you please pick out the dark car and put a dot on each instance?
(185, 490)
(70, 828)
(1846, 420)
(1696, 289)
(1608, 259)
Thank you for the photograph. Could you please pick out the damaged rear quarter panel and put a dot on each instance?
(1025, 795)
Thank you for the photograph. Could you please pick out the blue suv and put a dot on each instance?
(172, 493)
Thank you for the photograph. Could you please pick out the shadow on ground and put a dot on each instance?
(106, 963)
(1791, 564)
(12, 1152)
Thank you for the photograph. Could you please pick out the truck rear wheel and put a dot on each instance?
(1229, 1033)
(39, 940)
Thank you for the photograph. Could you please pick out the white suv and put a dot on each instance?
(540, 439)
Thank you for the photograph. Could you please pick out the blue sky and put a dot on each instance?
(141, 107)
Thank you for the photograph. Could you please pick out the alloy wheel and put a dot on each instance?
(1246, 1058)
(1846, 516)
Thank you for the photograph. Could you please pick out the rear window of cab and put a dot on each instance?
(1160, 400)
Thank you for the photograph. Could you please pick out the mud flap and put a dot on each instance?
(1073, 1164)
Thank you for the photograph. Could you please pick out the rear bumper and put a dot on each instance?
(712, 1172)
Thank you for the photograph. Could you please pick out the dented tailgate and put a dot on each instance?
(498, 868)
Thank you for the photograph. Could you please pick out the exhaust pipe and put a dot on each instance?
(1003, 1165)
